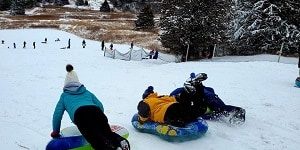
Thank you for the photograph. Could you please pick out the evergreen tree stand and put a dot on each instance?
(17, 7)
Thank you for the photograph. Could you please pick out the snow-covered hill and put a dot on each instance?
(31, 82)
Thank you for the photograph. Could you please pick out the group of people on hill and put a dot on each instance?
(111, 46)
(180, 107)
(24, 44)
(43, 42)
(152, 55)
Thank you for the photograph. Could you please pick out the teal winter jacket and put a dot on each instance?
(74, 96)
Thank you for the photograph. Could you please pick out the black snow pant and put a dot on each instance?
(179, 115)
(93, 125)
(217, 106)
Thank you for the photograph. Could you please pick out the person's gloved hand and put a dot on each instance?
(55, 134)
(200, 77)
(189, 88)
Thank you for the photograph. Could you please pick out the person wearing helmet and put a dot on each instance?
(206, 99)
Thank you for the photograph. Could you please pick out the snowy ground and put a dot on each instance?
(31, 82)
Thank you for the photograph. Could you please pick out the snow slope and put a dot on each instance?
(31, 82)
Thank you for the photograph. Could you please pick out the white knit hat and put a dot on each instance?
(71, 75)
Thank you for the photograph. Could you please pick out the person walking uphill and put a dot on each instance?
(83, 44)
(299, 61)
(86, 112)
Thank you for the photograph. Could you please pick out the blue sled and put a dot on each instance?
(65, 143)
(171, 133)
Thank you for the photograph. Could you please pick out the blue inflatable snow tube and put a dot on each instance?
(297, 82)
(171, 133)
(65, 143)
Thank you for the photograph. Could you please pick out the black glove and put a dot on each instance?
(196, 80)
(55, 134)
(189, 88)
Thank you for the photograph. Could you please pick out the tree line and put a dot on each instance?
(243, 27)
(195, 28)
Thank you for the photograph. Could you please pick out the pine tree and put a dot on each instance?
(193, 25)
(30, 3)
(79, 2)
(5, 5)
(105, 7)
(58, 2)
(172, 24)
(65, 2)
(145, 18)
(290, 11)
(17, 7)
(262, 26)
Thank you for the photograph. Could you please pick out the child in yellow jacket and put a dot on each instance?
(163, 109)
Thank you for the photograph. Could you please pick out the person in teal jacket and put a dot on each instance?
(87, 113)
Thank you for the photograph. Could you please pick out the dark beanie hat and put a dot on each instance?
(143, 109)
(69, 68)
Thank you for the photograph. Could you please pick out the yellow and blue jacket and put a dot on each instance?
(158, 106)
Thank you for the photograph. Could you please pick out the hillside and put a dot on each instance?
(86, 22)
(31, 81)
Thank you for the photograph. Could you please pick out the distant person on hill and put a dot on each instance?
(299, 61)
(155, 56)
(111, 46)
(131, 45)
(102, 45)
(298, 78)
(24, 44)
(151, 54)
(33, 44)
(2, 42)
(15, 45)
(87, 113)
(69, 44)
(83, 43)
(45, 41)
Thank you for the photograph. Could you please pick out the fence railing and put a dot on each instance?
(132, 54)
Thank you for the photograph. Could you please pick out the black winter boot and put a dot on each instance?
(121, 143)
(238, 116)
